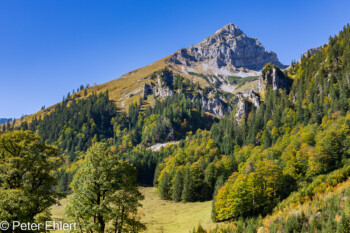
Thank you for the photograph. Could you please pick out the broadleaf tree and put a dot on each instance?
(26, 180)
(105, 195)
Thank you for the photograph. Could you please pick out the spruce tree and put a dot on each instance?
(187, 192)
(178, 186)
(164, 186)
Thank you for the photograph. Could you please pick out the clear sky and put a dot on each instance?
(49, 47)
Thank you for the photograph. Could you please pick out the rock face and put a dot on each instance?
(274, 77)
(228, 48)
(242, 109)
(245, 102)
(250, 95)
(271, 76)
(215, 106)
(162, 91)
(164, 82)
(162, 86)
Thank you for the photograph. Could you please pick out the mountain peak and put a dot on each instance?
(227, 52)
(229, 29)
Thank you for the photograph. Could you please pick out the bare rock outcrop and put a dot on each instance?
(250, 95)
(162, 91)
(164, 81)
(272, 76)
(161, 85)
(215, 106)
(242, 109)
(245, 102)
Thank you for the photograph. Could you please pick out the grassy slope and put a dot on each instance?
(132, 82)
(249, 85)
(121, 88)
(164, 216)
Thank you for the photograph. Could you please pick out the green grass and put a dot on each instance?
(168, 216)
(239, 81)
(58, 211)
(162, 216)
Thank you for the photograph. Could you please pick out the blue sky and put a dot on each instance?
(49, 47)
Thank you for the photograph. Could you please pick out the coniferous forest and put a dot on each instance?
(283, 168)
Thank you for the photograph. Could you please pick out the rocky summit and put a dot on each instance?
(228, 47)
(229, 51)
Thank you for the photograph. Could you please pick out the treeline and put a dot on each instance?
(76, 122)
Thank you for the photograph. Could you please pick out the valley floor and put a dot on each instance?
(172, 217)
(164, 216)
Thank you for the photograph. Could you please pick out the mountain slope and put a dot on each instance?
(227, 53)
